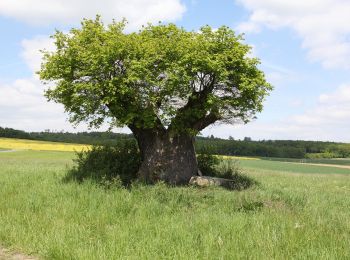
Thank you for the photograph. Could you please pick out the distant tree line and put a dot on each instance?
(273, 148)
(97, 138)
(246, 147)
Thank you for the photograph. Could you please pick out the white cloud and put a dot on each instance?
(31, 50)
(23, 106)
(277, 74)
(333, 109)
(296, 102)
(322, 25)
(22, 102)
(137, 12)
(340, 96)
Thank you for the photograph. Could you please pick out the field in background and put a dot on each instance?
(286, 167)
(340, 161)
(336, 161)
(291, 214)
(22, 144)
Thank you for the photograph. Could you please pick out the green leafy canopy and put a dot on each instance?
(159, 77)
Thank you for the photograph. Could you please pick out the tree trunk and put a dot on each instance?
(165, 157)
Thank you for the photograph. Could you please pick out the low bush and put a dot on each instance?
(324, 155)
(230, 169)
(207, 162)
(211, 165)
(107, 165)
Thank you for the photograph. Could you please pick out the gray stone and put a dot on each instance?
(205, 181)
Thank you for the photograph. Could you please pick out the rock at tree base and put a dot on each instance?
(205, 181)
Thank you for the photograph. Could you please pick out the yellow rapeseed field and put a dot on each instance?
(22, 144)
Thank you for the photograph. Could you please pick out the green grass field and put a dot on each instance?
(286, 167)
(295, 214)
(342, 161)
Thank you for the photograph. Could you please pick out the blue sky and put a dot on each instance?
(304, 47)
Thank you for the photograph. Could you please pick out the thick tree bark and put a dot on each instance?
(166, 157)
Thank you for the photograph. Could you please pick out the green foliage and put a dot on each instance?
(160, 76)
(232, 170)
(270, 148)
(325, 155)
(228, 169)
(107, 165)
(13, 133)
(207, 163)
(211, 165)
(341, 150)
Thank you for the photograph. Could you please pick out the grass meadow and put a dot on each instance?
(296, 211)
(337, 161)
(290, 167)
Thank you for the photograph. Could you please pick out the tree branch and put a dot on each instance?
(186, 116)
(205, 121)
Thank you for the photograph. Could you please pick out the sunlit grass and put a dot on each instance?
(288, 216)
(335, 161)
(287, 167)
(22, 144)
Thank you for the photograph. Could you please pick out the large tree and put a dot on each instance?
(165, 83)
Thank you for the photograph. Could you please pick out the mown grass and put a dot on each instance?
(338, 161)
(287, 216)
(23, 144)
(285, 167)
(335, 161)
